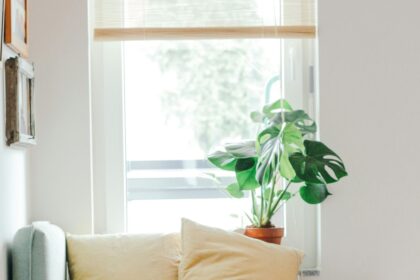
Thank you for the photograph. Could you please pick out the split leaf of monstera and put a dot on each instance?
(270, 110)
(298, 117)
(320, 165)
(269, 142)
(276, 146)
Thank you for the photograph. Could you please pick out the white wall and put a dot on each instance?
(60, 165)
(13, 185)
(61, 162)
(370, 91)
(370, 113)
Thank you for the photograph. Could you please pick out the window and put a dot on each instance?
(185, 98)
(191, 72)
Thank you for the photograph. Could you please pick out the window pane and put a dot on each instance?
(182, 98)
(164, 215)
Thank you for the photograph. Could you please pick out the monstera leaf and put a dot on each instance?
(286, 168)
(299, 118)
(270, 149)
(270, 110)
(285, 195)
(314, 193)
(242, 149)
(302, 121)
(222, 159)
(226, 157)
(245, 173)
(277, 106)
(235, 191)
(292, 139)
(257, 117)
(320, 165)
(275, 147)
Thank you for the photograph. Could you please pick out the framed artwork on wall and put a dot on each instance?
(16, 26)
(20, 120)
(1, 28)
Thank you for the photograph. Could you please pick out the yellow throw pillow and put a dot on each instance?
(128, 257)
(214, 254)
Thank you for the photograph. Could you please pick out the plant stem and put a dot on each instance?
(249, 218)
(270, 203)
(254, 205)
(262, 206)
(272, 210)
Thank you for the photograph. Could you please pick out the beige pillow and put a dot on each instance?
(214, 254)
(128, 257)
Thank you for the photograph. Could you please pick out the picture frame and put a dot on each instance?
(20, 117)
(2, 9)
(16, 26)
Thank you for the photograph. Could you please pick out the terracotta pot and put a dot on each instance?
(270, 235)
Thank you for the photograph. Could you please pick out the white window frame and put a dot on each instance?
(110, 185)
(109, 172)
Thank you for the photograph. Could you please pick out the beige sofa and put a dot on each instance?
(42, 252)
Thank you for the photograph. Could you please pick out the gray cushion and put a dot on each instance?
(39, 253)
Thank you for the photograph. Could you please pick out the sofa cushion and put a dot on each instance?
(128, 257)
(210, 253)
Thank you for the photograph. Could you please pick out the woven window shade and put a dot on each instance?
(200, 19)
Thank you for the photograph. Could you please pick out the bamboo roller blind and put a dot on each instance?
(203, 19)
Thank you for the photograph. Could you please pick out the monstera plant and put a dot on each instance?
(282, 155)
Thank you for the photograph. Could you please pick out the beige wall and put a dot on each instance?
(370, 113)
(61, 162)
(369, 86)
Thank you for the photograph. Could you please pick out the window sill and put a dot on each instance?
(310, 273)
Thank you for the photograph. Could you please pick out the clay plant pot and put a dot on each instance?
(270, 234)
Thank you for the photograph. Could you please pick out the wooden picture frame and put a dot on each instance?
(20, 119)
(2, 9)
(16, 26)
